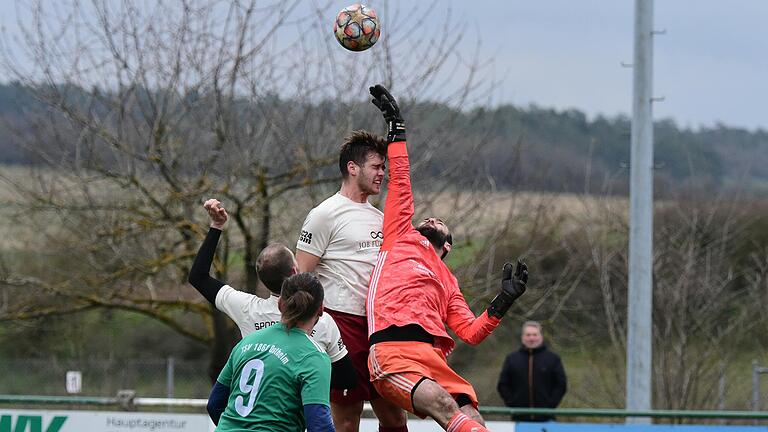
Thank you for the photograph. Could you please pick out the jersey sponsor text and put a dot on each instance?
(305, 237)
(263, 347)
(264, 324)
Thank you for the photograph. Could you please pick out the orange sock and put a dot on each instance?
(461, 423)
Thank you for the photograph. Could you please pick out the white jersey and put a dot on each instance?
(346, 235)
(252, 313)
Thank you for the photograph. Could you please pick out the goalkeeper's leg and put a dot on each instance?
(415, 377)
(432, 399)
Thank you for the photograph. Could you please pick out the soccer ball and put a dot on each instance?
(357, 27)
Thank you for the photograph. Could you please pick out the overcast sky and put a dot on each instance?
(711, 65)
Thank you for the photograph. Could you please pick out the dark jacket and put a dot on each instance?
(544, 387)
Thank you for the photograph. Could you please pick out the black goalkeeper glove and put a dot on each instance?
(388, 106)
(512, 287)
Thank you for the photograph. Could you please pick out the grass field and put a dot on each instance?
(469, 214)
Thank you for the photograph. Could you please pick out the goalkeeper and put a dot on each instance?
(413, 295)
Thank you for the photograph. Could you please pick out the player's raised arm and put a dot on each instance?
(398, 209)
(391, 112)
(199, 275)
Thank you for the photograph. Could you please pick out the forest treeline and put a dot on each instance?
(551, 150)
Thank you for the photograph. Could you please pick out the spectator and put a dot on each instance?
(532, 376)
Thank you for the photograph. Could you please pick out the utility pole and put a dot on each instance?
(640, 299)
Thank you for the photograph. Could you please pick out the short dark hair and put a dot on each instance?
(302, 296)
(356, 148)
(274, 265)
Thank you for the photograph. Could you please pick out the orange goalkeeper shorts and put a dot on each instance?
(396, 368)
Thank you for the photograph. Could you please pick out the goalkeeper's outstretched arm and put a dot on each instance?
(398, 209)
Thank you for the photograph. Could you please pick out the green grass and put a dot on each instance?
(463, 254)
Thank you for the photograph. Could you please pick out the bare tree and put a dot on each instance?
(152, 107)
(704, 298)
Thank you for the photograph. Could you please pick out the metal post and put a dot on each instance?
(721, 388)
(641, 218)
(169, 371)
(721, 385)
(755, 386)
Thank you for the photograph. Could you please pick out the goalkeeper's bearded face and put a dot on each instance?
(438, 234)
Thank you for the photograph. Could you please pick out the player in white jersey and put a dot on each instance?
(274, 264)
(340, 242)
(346, 235)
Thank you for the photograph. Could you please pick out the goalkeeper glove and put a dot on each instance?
(388, 106)
(512, 287)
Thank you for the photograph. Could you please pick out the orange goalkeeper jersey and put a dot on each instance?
(410, 283)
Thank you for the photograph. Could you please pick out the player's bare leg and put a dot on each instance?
(431, 399)
(472, 413)
(346, 417)
(390, 416)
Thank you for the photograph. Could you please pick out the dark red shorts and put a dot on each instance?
(354, 333)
